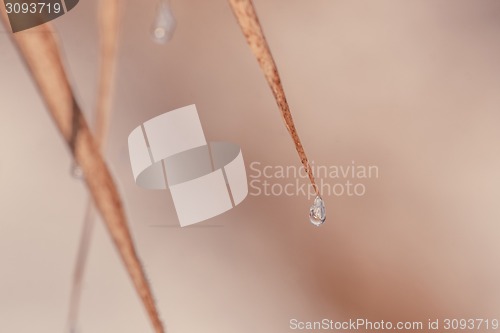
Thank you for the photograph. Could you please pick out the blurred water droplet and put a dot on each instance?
(76, 171)
(164, 24)
(317, 212)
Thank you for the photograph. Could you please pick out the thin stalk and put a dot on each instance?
(80, 264)
(246, 16)
(109, 27)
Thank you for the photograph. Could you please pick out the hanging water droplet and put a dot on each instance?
(164, 25)
(76, 171)
(317, 212)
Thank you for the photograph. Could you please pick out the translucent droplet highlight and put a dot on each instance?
(317, 212)
(76, 171)
(164, 24)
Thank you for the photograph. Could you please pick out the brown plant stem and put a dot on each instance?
(109, 26)
(109, 29)
(80, 264)
(40, 51)
(249, 22)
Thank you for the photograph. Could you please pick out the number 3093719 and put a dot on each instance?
(33, 8)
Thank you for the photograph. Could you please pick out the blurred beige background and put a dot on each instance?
(411, 87)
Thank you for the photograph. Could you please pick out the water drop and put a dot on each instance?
(76, 171)
(317, 212)
(164, 25)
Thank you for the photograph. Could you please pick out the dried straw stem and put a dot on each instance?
(79, 271)
(109, 27)
(249, 22)
(40, 51)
